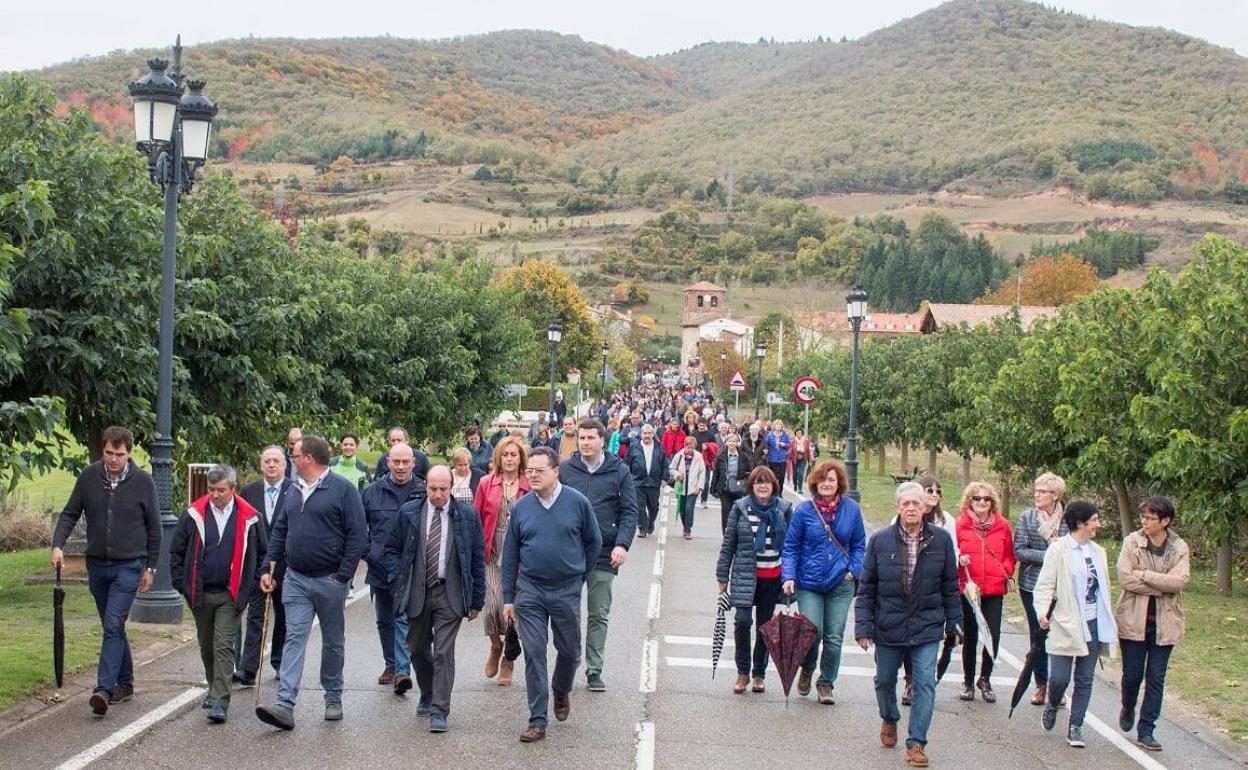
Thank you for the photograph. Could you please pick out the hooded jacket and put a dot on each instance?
(186, 552)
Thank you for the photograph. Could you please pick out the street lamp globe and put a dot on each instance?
(760, 350)
(856, 304)
(155, 105)
(554, 332)
(197, 112)
(605, 349)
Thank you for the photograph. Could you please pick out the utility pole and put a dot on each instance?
(732, 165)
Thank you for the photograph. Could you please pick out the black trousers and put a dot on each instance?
(255, 618)
(779, 469)
(991, 605)
(766, 595)
(726, 501)
(647, 508)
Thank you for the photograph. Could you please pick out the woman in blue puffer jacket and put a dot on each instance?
(821, 561)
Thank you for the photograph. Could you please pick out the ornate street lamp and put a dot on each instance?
(173, 130)
(760, 352)
(856, 309)
(602, 390)
(553, 333)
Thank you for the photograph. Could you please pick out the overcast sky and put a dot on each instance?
(34, 35)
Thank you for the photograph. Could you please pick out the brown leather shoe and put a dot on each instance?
(505, 669)
(121, 694)
(387, 676)
(742, 682)
(915, 756)
(758, 685)
(496, 654)
(968, 693)
(563, 706)
(825, 694)
(888, 734)
(533, 734)
(1037, 697)
(803, 682)
(985, 689)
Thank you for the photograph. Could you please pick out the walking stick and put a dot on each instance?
(264, 633)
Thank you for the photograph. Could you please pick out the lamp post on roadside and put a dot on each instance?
(172, 129)
(760, 352)
(723, 368)
(602, 390)
(856, 309)
(553, 333)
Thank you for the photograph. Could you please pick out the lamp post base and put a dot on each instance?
(158, 607)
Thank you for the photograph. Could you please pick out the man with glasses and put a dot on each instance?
(551, 545)
(420, 461)
(265, 494)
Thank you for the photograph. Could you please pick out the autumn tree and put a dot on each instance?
(549, 294)
(1056, 280)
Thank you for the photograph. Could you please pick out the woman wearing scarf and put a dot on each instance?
(1034, 532)
(687, 466)
(820, 562)
(986, 558)
(749, 569)
(1072, 599)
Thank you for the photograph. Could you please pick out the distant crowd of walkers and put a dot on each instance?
(515, 528)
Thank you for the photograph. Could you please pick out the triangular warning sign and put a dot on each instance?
(738, 380)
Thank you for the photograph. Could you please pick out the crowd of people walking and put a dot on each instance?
(515, 529)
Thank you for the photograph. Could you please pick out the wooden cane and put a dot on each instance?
(264, 631)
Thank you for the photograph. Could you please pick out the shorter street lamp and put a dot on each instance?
(856, 309)
(602, 391)
(723, 367)
(760, 352)
(553, 333)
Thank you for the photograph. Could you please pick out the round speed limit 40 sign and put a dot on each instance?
(805, 388)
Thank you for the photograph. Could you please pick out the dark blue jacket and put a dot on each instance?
(405, 537)
(613, 495)
(738, 562)
(893, 613)
(778, 446)
(382, 501)
(326, 535)
(420, 467)
(636, 460)
(813, 560)
(481, 458)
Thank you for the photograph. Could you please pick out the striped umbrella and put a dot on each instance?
(721, 630)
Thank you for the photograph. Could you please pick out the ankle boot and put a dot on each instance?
(504, 673)
(496, 653)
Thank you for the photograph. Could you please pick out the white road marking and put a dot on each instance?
(656, 597)
(658, 563)
(132, 730)
(649, 666)
(663, 536)
(645, 746)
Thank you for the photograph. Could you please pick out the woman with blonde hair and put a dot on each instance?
(496, 496)
(464, 475)
(986, 559)
(1036, 529)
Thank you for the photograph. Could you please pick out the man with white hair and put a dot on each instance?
(265, 494)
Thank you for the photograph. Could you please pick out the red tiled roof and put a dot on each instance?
(940, 314)
(705, 286)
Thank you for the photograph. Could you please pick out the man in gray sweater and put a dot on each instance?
(542, 575)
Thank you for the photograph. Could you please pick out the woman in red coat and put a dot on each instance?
(986, 558)
(673, 438)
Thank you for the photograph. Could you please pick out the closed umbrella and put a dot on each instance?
(264, 631)
(723, 604)
(511, 642)
(985, 634)
(946, 654)
(789, 636)
(1029, 665)
(58, 630)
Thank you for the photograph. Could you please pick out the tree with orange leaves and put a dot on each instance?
(1046, 281)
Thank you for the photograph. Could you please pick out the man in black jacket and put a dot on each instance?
(320, 536)
(907, 602)
(606, 481)
(118, 500)
(214, 556)
(420, 465)
(266, 495)
(648, 464)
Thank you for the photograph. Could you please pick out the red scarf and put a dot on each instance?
(982, 526)
(827, 508)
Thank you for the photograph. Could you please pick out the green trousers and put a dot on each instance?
(216, 623)
(597, 608)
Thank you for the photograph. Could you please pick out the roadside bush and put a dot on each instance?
(22, 528)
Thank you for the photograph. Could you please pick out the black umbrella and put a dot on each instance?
(1037, 649)
(946, 653)
(723, 604)
(511, 643)
(58, 630)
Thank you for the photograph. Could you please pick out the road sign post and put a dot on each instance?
(804, 391)
(737, 384)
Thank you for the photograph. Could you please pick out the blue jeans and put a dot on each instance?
(392, 630)
(113, 586)
(1060, 667)
(543, 612)
(923, 664)
(687, 506)
(304, 598)
(828, 612)
(1145, 663)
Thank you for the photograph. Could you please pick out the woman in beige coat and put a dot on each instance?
(1153, 569)
(1072, 602)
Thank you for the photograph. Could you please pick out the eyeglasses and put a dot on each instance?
(531, 470)
(982, 498)
(933, 490)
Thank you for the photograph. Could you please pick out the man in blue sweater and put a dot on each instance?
(542, 574)
(320, 537)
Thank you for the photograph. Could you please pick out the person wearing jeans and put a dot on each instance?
(1153, 569)
(748, 570)
(822, 559)
(687, 467)
(1075, 582)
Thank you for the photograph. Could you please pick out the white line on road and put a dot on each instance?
(656, 596)
(658, 563)
(131, 730)
(649, 666)
(645, 746)
(663, 536)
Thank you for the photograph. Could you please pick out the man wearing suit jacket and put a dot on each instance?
(265, 495)
(435, 554)
(648, 463)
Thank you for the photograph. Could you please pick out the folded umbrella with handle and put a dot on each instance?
(723, 604)
(58, 630)
(1029, 665)
(971, 592)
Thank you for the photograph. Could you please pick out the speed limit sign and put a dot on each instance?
(805, 388)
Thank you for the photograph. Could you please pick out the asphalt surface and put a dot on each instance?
(668, 715)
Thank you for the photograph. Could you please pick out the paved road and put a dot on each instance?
(662, 709)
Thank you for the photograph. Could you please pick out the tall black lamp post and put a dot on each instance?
(602, 390)
(760, 352)
(723, 368)
(553, 333)
(856, 309)
(172, 129)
